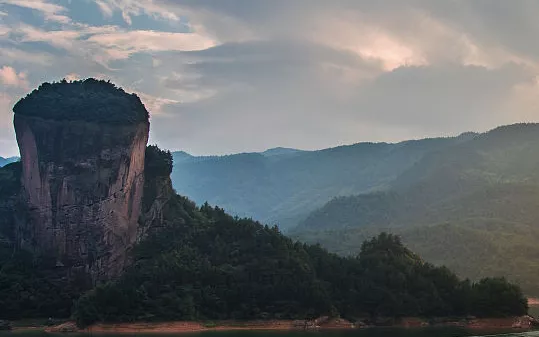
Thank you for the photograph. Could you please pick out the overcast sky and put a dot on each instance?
(227, 76)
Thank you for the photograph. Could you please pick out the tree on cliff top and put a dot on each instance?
(158, 162)
(88, 100)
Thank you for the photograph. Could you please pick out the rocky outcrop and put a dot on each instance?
(10, 210)
(82, 187)
(157, 191)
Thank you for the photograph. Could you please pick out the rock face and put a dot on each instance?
(82, 186)
(159, 191)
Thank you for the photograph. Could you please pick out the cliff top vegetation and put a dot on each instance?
(88, 100)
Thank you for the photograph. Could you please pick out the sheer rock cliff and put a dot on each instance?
(82, 185)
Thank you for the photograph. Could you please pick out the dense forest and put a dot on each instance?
(88, 100)
(205, 264)
(472, 249)
(214, 266)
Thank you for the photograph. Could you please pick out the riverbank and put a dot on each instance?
(518, 323)
(173, 327)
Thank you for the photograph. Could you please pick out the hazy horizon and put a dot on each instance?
(223, 77)
(313, 149)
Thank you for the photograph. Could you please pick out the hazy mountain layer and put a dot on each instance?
(472, 206)
(282, 186)
(494, 175)
(5, 161)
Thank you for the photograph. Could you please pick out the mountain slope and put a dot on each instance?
(494, 175)
(472, 249)
(453, 196)
(204, 264)
(281, 186)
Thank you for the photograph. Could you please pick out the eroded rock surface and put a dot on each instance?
(83, 185)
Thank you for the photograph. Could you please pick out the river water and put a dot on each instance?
(376, 332)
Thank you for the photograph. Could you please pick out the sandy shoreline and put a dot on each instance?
(517, 323)
(186, 327)
(174, 327)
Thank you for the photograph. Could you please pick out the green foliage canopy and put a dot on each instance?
(87, 100)
(206, 264)
(158, 162)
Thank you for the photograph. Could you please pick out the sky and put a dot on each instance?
(227, 76)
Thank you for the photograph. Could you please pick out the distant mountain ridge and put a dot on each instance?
(281, 151)
(477, 196)
(5, 161)
(468, 202)
(484, 170)
(282, 186)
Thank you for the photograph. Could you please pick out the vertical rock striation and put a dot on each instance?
(82, 179)
(158, 191)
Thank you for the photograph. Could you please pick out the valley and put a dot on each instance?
(467, 202)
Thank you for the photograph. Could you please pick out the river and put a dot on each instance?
(376, 332)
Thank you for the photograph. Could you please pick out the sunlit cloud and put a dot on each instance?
(10, 77)
(155, 104)
(321, 73)
(72, 77)
(123, 44)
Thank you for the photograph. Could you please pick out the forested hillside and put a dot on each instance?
(281, 186)
(472, 207)
(201, 263)
(206, 264)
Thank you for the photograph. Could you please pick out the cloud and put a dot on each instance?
(155, 104)
(58, 38)
(105, 8)
(412, 32)
(72, 77)
(442, 98)
(8, 146)
(17, 56)
(50, 11)
(240, 75)
(10, 77)
(6, 102)
(309, 105)
(130, 8)
(105, 44)
(122, 44)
